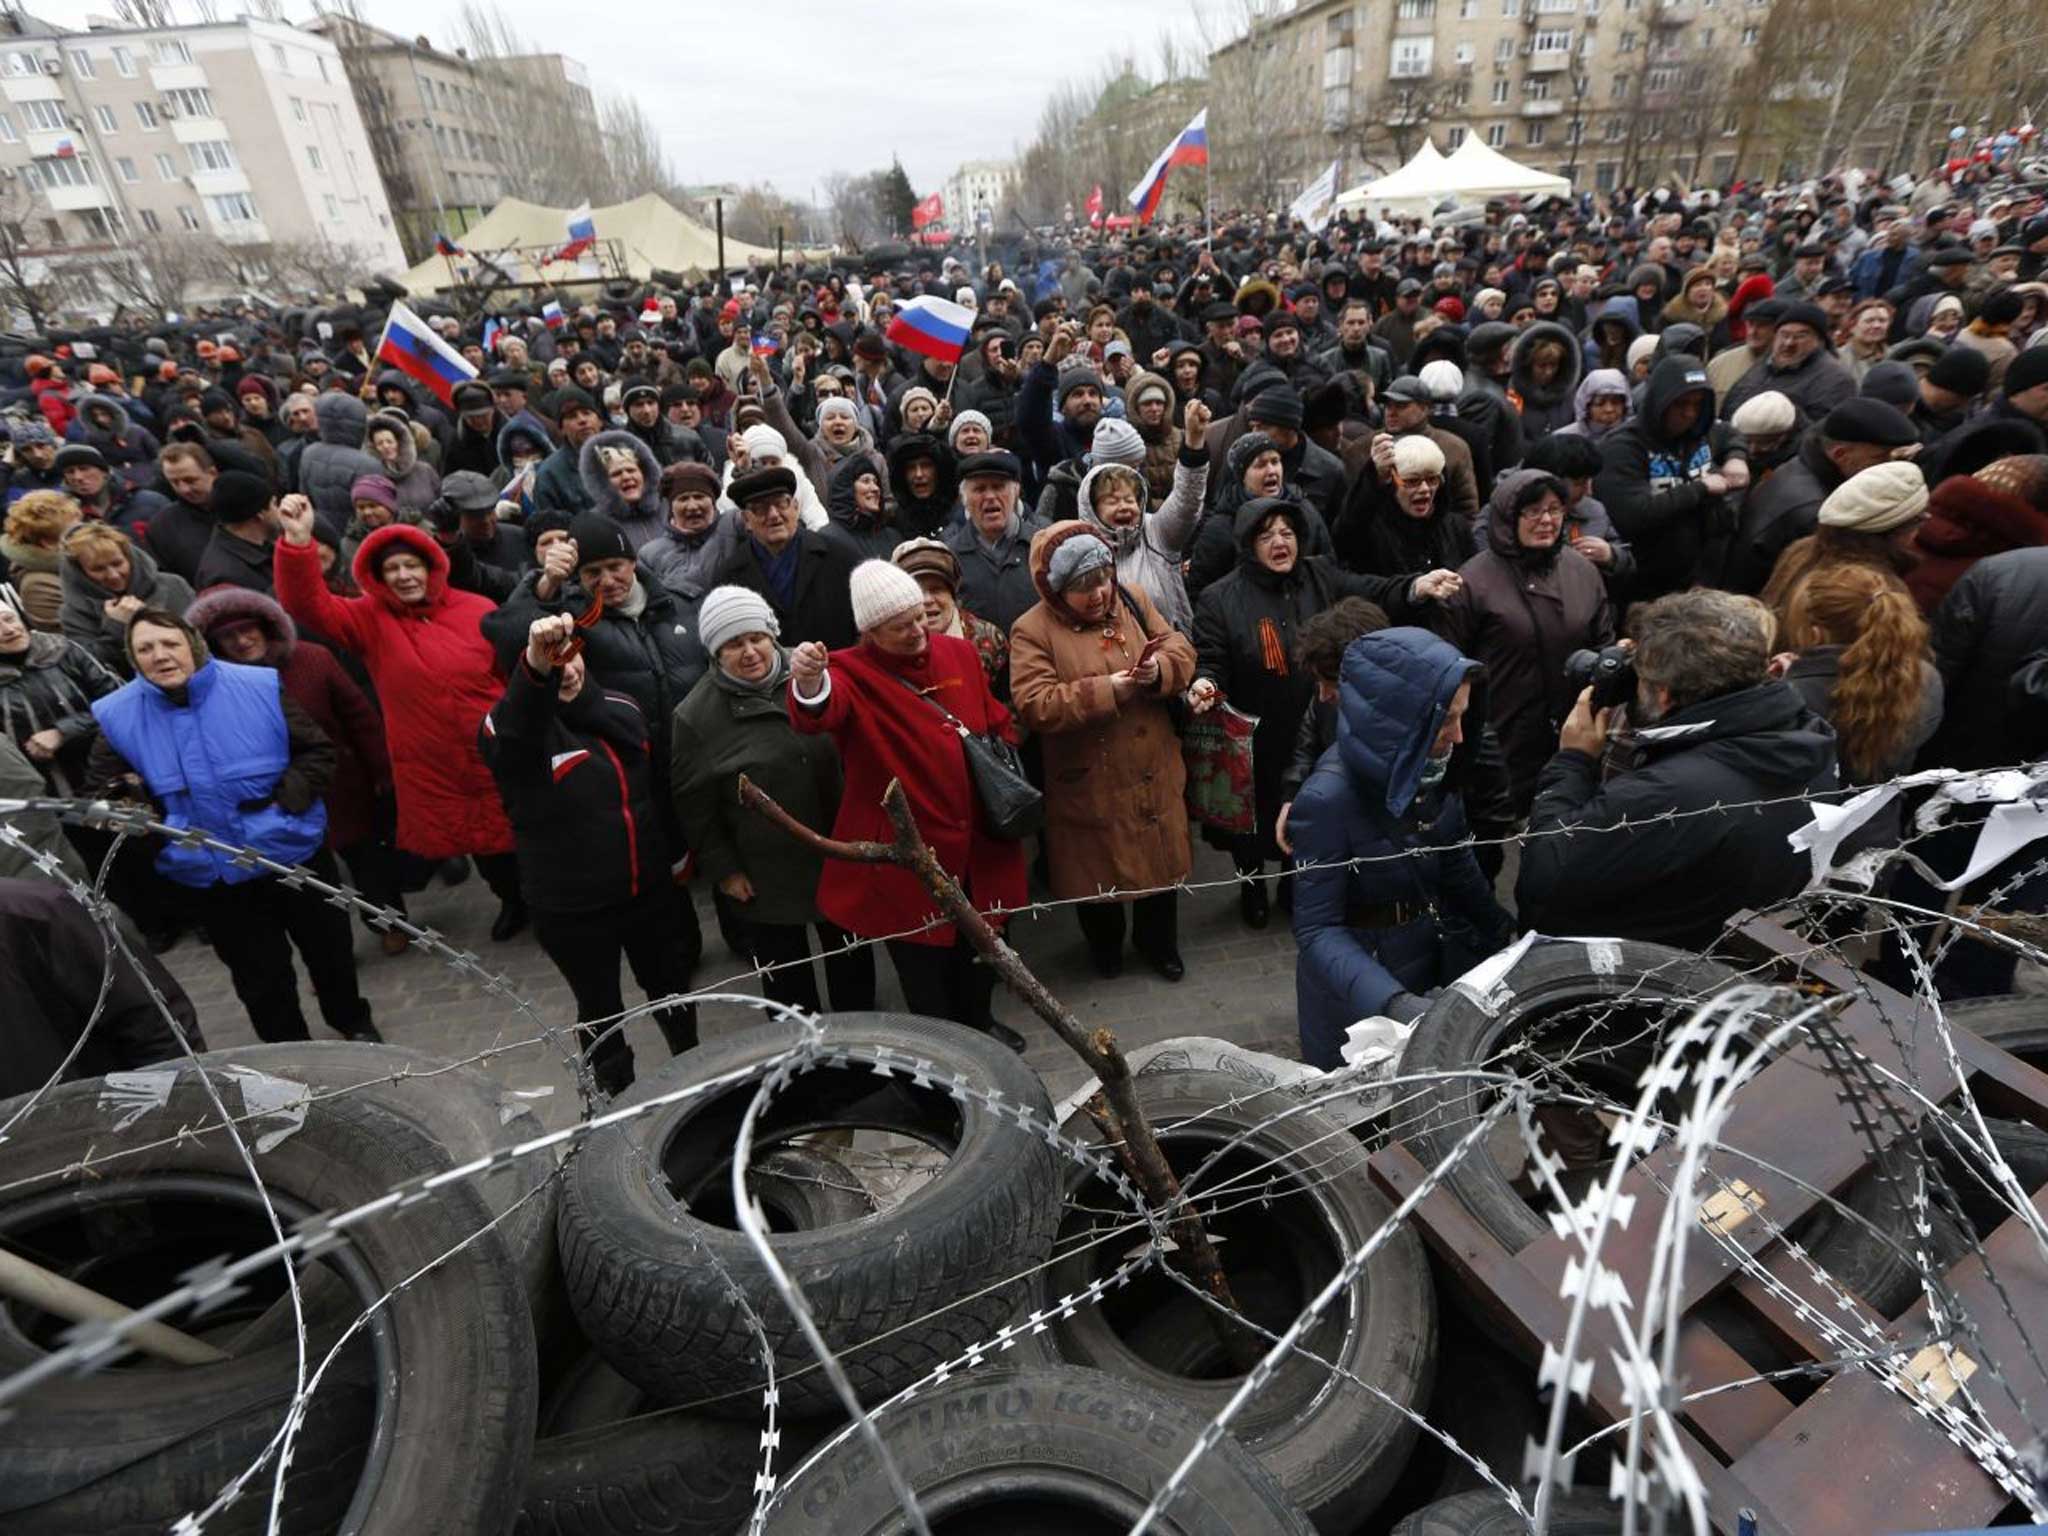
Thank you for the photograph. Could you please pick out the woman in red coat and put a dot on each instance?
(876, 698)
(246, 626)
(433, 670)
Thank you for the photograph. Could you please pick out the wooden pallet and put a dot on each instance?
(1853, 1458)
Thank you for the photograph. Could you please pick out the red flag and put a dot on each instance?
(929, 211)
(1094, 206)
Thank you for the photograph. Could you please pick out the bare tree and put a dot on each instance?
(1267, 123)
(759, 213)
(635, 159)
(158, 273)
(27, 281)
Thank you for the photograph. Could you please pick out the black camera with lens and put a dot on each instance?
(1610, 672)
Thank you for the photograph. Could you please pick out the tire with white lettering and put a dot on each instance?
(653, 1257)
(1005, 1452)
(1283, 1192)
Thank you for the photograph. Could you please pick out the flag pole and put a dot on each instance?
(1208, 197)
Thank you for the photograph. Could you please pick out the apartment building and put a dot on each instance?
(977, 187)
(1607, 92)
(245, 131)
(452, 135)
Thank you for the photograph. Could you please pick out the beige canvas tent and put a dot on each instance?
(648, 232)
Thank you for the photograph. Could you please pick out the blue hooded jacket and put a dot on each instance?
(1365, 801)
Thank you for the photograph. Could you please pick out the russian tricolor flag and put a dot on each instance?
(443, 246)
(936, 327)
(410, 346)
(582, 234)
(551, 313)
(1191, 148)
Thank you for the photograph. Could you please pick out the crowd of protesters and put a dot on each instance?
(1777, 458)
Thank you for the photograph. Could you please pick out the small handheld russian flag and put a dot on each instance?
(443, 246)
(765, 345)
(551, 312)
(493, 328)
(938, 328)
(410, 345)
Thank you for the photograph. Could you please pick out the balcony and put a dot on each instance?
(1665, 53)
(33, 88)
(198, 130)
(77, 199)
(1542, 107)
(243, 232)
(220, 183)
(177, 77)
(44, 146)
(1674, 13)
(1550, 61)
(1423, 25)
(1408, 69)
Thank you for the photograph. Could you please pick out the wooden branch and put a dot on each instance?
(1195, 1255)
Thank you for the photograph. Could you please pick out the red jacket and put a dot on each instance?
(885, 732)
(53, 399)
(1967, 520)
(434, 674)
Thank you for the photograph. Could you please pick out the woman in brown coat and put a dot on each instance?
(1080, 678)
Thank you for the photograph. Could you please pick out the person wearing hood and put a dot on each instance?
(1388, 907)
(802, 572)
(762, 447)
(1711, 729)
(1800, 366)
(388, 437)
(993, 542)
(104, 422)
(1116, 811)
(1255, 466)
(736, 723)
(328, 468)
(1698, 302)
(35, 460)
(473, 445)
(1665, 480)
(1528, 600)
(1576, 461)
(397, 391)
(1188, 371)
(251, 630)
(259, 399)
(856, 498)
(622, 481)
(923, 487)
(1402, 525)
(1615, 327)
(1115, 499)
(1486, 402)
(1599, 404)
(1544, 375)
(937, 570)
(1149, 409)
(572, 762)
(107, 580)
(523, 446)
(422, 644)
(698, 538)
(1852, 438)
(225, 750)
(1245, 629)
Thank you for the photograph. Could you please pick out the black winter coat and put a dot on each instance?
(1650, 485)
(1676, 879)
(1212, 552)
(578, 784)
(1994, 618)
(1375, 535)
(822, 608)
(1784, 508)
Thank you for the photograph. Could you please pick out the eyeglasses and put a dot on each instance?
(1431, 481)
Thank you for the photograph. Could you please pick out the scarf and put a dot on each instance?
(779, 571)
(741, 688)
(633, 604)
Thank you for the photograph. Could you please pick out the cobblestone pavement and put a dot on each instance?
(1239, 986)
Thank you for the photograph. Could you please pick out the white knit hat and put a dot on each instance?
(764, 442)
(961, 419)
(1416, 454)
(1116, 442)
(729, 612)
(880, 592)
(1764, 415)
(1878, 499)
(1443, 379)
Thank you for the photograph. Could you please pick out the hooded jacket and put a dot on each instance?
(1384, 900)
(644, 520)
(1546, 407)
(127, 447)
(1597, 382)
(1618, 311)
(421, 408)
(1521, 613)
(1486, 402)
(921, 517)
(85, 619)
(1676, 879)
(1149, 551)
(315, 682)
(865, 537)
(1162, 443)
(416, 481)
(1650, 484)
(328, 468)
(433, 672)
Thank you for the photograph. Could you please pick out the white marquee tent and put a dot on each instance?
(1470, 174)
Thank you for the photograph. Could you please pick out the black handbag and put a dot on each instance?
(1012, 807)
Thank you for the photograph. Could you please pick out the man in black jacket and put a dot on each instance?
(473, 445)
(1852, 437)
(1666, 478)
(572, 763)
(1696, 831)
(805, 576)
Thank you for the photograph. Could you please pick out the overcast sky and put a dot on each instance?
(787, 90)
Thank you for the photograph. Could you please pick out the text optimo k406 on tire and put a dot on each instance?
(651, 1256)
(1033, 1449)
(1287, 1203)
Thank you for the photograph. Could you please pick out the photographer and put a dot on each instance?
(1711, 730)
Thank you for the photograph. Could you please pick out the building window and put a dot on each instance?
(53, 232)
(1660, 80)
(1617, 130)
(1536, 88)
(193, 101)
(43, 116)
(333, 207)
(22, 65)
(151, 222)
(1503, 49)
(1454, 137)
(1553, 42)
(145, 114)
(1627, 43)
(1414, 10)
(81, 64)
(70, 171)
(298, 109)
(1511, 8)
(104, 116)
(1500, 93)
(127, 169)
(1464, 53)
(189, 219)
(1749, 37)
(1604, 174)
(1731, 124)
(1467, 9)
(1621, 86)
(124, 63)
(313, 158)
(166, 168)
(1412, 56)
(280, 58)
(171, 50)
(1497, 134)
(7, 133)
(235, 208)
(1532, 133)
(212, 155)
(1574, 132)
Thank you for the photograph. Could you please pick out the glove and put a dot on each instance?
(1404, 1007)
